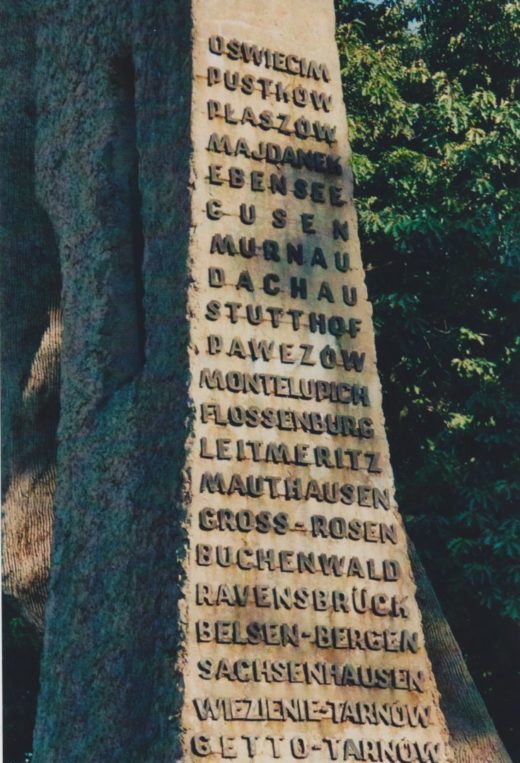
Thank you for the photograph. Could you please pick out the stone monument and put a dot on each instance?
(230, 577)
(303, 639)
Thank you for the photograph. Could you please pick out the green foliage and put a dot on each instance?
(431, 88)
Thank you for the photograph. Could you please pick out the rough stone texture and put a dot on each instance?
(30, 291)
(299, 30)
(110, 137)
(473, 736)
(112, 150)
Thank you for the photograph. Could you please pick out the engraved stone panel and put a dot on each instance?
(303, 637)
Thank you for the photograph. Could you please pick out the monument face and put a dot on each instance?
(303, 639)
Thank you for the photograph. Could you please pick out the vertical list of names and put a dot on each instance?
(304, 640)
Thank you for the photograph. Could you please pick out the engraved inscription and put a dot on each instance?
(303, 636)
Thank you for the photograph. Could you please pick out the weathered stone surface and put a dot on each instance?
(473, 735)
(289, 433)
(113, 84)
(113, 91)
(30, 295)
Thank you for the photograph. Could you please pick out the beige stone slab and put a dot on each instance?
(304, 640)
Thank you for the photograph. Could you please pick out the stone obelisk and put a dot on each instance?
(303, 637)
(230, 577)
